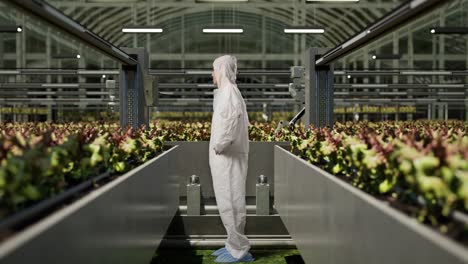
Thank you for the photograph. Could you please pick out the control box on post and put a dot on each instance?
(134, 110)
(151, 90)
(296, 88)
(318, 92)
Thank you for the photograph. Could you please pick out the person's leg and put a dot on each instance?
(238, 195)
(238, 244)
(224, 169)
(216, 178)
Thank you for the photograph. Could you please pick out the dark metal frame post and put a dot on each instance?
(319, 91)
(133, 109)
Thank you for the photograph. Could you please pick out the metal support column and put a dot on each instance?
(133, 109)
(442, 111)
(264, 41)
(262, 196)
(20, 63)
(365, 116)
(81, 79)
(49, 66)
(194, 196)
(409, 116)
(396, 65)
(318, 92)
(431, 111)
(59, 110)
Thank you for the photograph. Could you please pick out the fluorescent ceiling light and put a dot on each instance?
(60, 85)
(9, 72)
(276, 93)
(304, 30)
(446, 86)
(112, 1)
(393, 93)
(221, 1)
(206, 85)
(425, 73)
(425, 100)
(332, 1)
(450, 93)
(197, 72)
(11, 29)
(369, 85)
(223, 30)
(41, 93)
(90, 100)
(449, 30)
(142, 30)
(97, 72)
(97, 93)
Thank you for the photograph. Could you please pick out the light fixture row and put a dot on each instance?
(227, 30)
(245, 1)
(295, 30)
(224, 1)
(436, 30)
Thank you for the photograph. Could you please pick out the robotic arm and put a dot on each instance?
(297, 91)
(297, 117)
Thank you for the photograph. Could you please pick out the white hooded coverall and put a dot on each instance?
(229, 137)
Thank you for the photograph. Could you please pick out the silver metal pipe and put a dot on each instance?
(395, 19)
(213, 209)
(53, 16)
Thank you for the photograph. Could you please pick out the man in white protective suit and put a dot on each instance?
(229, 152)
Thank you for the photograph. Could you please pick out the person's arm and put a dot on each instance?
(228, 118)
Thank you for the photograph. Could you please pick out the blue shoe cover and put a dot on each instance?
(219, 252)
(228, 258)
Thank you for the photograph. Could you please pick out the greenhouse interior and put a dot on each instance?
(230, 131)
